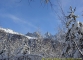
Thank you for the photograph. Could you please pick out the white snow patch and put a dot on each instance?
(31, 37)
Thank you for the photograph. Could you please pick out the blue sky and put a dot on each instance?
(24, 17)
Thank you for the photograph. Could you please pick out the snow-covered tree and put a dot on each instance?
(74, 41)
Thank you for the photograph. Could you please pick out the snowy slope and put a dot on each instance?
(8, 31)
(13, 32)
